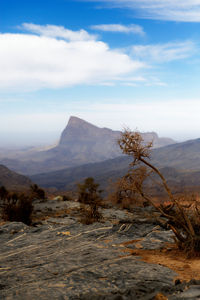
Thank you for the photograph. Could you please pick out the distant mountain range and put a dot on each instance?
(180, 163)
(13, 181)
(80, 143)
(85, 150)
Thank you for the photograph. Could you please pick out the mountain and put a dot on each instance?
(80, 143)
(12, 180)
(83, 142)
(182, 156)
(79, 133)
(109, 171)
(180, 163)
(101, 171)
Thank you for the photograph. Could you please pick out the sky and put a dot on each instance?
(113, 63)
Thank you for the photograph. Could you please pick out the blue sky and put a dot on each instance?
(114, 63)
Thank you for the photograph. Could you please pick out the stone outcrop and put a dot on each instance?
(63, 259)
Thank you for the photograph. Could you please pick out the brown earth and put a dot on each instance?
(169, 256)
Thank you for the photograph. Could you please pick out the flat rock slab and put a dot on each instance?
(70, 260)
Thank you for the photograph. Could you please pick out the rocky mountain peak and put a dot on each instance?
(78, 122)
(80, 130)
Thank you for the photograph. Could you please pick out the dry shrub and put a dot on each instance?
(125, 193)
(3, 193)
(17, 208)
(36, 192)
(184, 220)
(89, 215)
(186, 226)
(89, 196)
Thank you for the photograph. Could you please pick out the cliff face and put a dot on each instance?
(82, 130)
(85, 141)
(80, 136)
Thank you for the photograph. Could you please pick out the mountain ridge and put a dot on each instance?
(12, 180)
(180, 163)
(81, 142)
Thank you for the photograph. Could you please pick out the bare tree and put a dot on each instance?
(185, 222)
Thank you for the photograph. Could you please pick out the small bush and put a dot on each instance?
(17, 208)
(89, 215)
(124, 194)
(90, 197)
(37, 192)
(3, 193)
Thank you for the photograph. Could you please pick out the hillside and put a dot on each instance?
(80, 143)
(182, 156)
(13, 181)
(109, 171)
(180, 163)
(67, 178)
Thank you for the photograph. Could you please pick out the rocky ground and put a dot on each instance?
(123, 257)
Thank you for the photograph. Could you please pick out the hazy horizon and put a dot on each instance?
(19, 140)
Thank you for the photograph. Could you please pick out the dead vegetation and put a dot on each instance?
(36, 192)
(17, 207)
(184, 220)
(89, 196)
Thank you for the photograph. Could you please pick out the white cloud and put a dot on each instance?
(172, 10)
(140, 80)
(135, 29)
(55, 57)
(164, 52)
(58, 32)
(29, 61)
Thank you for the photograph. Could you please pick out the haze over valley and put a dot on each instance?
(85, 150)
(80, 142)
